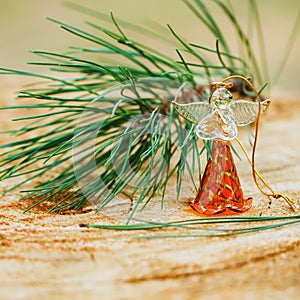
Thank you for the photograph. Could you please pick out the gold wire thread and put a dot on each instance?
(273, 193)
(251, 161)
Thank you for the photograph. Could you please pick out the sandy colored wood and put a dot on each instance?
(49, 256)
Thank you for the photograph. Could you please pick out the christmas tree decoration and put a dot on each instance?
(220, 189)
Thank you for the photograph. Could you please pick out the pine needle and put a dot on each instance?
(202, 227)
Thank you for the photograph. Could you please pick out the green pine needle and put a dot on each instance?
(200, 227)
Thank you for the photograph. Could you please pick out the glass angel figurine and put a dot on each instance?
(220, 189)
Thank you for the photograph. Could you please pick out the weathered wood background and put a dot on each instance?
(49, 256)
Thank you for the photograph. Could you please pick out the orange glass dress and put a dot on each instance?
(220, 190)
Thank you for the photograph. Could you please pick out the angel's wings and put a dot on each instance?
(193, 112)
(244, 111)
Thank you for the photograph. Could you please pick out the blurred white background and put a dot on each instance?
(23, 27)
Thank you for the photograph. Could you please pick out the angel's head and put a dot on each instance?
(221, 98)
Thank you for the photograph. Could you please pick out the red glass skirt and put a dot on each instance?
(220, 190)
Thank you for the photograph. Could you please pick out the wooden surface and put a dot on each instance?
(49, 256)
